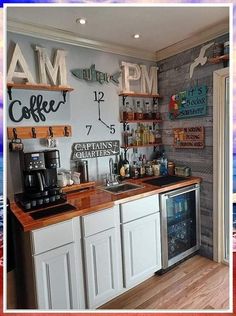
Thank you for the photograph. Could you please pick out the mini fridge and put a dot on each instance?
(180, 212)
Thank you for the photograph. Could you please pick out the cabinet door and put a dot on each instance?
(103, 267)
(141, 249)
(56, 278)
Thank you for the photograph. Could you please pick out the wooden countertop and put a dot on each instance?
(94, 200)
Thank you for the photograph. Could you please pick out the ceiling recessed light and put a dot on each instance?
(81, 21)
(136, 36)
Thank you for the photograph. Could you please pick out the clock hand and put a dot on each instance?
(99, 111)
(104, 123)
(99, 116)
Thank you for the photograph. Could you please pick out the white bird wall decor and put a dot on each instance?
(200, 60)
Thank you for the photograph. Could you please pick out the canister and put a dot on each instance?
(171, 168)
(156, 168)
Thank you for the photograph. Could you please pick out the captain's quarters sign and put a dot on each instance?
(189, 137)
(95, 149)
(189, 103)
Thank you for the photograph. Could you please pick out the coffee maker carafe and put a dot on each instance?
(39, 170)
(33, 165)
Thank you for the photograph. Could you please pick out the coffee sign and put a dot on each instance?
(189, 103)
(95, 149)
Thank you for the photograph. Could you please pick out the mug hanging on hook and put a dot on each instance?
(16, 143)
(51, 141)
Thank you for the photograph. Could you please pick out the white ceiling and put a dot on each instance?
(159, 27)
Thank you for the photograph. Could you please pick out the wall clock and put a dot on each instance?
(99, 99)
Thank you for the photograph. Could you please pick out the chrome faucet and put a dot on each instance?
(112, 179)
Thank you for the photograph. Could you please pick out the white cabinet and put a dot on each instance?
(102, 255)
(141, 246)
(57, 262)
(56, 281)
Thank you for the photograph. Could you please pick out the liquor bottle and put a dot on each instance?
(131, 137)
(151, 136)
(142, 162)
(125, 136)
(145, 135)
(157, 135)
(156, 115)
(124, 113)
(138, 115)
(130, 112)
(164, 164)
(147, 111)
(138, 140)
(121, 169)
(126, 166)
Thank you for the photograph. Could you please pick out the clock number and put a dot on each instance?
(112, 129)
(98, 96)
(89, 127)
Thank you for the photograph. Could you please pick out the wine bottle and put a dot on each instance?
(121, 169)
(126, 167)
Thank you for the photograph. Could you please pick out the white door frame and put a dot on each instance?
(219, 145)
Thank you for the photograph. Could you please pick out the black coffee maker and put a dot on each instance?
(39, 171)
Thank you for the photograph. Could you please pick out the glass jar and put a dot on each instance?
(148, 169)
(156, 166)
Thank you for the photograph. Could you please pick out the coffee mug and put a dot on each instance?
(16, 145)
(51, 142)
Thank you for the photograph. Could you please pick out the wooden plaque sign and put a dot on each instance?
(189, 137)
(188, 103)
(95, 149)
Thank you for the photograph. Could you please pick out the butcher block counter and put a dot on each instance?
(95, 199)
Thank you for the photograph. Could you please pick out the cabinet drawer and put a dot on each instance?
(139, 208)
(53, 236)
(98, 222)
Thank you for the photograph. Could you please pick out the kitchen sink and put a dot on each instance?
(121, 188)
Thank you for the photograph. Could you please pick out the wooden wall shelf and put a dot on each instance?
(141, 121)
(43, 87)
(27, 86)
(27, 132)
(219, 59)
(139, 95)
(148, 145)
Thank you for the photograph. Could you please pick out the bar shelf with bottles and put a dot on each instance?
(143, 114)
(141, 121)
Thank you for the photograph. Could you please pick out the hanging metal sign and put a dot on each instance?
(189, 103)
(95, 149)
(93, 75)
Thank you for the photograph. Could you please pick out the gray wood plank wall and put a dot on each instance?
(173, 78)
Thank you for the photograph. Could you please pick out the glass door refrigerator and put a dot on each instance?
(180, 212)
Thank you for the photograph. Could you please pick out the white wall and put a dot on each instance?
(79, 110)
